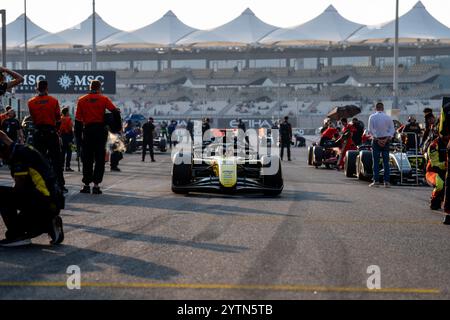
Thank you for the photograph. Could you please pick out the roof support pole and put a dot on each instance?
(396, 54)
(25, 28)
(94, 41)
(3, 13)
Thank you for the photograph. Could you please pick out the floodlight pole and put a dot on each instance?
(25, 28)
(94, 41)
(278, 91)
(3, 13)
(396, 54)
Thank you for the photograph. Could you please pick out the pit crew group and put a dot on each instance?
(431, 139)
(32, 206)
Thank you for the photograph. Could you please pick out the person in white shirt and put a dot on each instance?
(381, 128)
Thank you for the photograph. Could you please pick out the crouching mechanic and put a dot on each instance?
(436, 170)
(32, 206)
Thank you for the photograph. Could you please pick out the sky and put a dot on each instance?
(57, 15)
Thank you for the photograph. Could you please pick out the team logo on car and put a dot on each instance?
(65, 81)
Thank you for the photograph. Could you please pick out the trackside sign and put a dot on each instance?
(67, 82)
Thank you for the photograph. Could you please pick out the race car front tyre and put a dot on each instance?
(274, 181)
(365, 166)
(350, 163)
(318, 154)
(181, 176)
(310, 156)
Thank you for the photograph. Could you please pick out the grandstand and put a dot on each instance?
(250, 69)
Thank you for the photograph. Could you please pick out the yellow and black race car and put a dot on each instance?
(222, 167)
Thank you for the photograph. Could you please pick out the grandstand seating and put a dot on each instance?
(314, 97)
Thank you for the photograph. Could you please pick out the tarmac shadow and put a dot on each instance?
(36, 262)
(180, 204)
(159, 240)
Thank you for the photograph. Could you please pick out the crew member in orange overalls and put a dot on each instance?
(91, 114)
(66, 131)
(46, 114)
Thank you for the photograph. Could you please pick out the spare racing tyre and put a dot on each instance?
(365, 166)
(310, 156)
(350, 163)
(181, 175)
(275, 181)
(318, 154)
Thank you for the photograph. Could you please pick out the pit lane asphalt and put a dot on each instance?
(316, 241)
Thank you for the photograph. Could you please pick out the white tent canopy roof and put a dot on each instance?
(329, 26)
(166, 31)
(417, 23)
(15, 31)
(245, 29)
(79, 35)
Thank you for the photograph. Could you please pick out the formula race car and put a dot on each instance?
(327, 155)
(159, 143)
(222, 172)
(405, 167)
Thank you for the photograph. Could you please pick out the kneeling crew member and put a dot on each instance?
(36, 195)
(91, 113)
(444, 133)
(46, 116)
(436, 169)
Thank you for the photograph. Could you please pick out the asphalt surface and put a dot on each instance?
(315, 241)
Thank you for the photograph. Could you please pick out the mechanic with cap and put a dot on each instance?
(91, 113)
(46, 115)
(436, 170)
(444, 133)
(412, 131)
(12, 127)
(32, 206)
(328, 136)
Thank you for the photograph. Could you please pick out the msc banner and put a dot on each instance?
(67, 82)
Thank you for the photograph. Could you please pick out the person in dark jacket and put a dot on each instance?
(205, 126)
(170, 130)
(286, 138)
(12, 127)
(430, 121)
(358, 131)
(190, 128)
(148, 130)
(412, 131)
(241, 125)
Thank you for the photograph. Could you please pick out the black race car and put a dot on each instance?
(405, 167)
